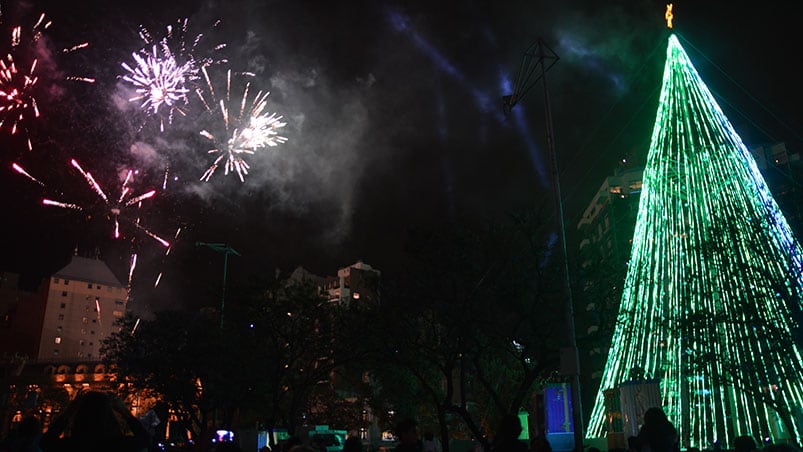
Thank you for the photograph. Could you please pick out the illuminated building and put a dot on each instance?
(358, 281)
(51, 337)
(605, 233)
(83, 301)
(66, 318)
(606, 228)
(712, 303)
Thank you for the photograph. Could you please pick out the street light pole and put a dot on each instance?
(226, 250)
(537, 56)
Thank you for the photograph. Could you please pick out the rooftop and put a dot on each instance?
(89, 270)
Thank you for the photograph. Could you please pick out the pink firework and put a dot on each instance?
(118, 209)
(19, 79)
(166, 70)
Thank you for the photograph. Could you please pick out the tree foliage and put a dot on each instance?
(474, 326)
(267, 363)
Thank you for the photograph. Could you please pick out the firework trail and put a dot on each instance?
(22, 171)
(167, 253)
(247, 128)
(164, 71)
(19, 79)
(97, 310)
(116, 208)
(131, 268)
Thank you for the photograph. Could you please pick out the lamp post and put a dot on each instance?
(226, 250)
(537, 59)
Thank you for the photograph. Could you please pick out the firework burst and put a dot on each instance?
(19, 78)
(116, 209)
(164, 71)
(160, 82)
(247, 128)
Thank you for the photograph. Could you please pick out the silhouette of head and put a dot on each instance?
(655, 415)
(509, 428)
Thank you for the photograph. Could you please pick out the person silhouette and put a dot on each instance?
(96, 421)
(407, 432)
(25, 438)
(507, 436)
(657, 434)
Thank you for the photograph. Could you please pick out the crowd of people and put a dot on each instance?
(100, 422)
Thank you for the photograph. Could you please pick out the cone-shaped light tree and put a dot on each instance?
(712, 299)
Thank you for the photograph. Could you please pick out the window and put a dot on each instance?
(61, 316)
(91, 344)
(64, 294)
(55, 351)
(94, 320)
(83, 331)
(92, 332)
(58, 329)
(57, 340)
(84, 320)
(89, 355)
(118, 314)
(97, 286)
(81, 342)
(63, 305)
(66, 282)
(55, 280)
(119, 302)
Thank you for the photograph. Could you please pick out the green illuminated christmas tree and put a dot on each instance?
(713, 299)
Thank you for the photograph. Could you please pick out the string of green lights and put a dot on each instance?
(713, 298)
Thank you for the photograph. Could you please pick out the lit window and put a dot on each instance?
(84, 320)
(58, 340)
(118, 313)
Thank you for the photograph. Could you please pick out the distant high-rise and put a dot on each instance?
(606, 227)
(358, 282)
(83, 301)
(712, 304)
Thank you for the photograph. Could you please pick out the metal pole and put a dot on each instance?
(223, 292)
(577, 409)
(226, 250)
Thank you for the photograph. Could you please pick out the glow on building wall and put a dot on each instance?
(712, 299)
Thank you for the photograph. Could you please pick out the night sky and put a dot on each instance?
(394, 121)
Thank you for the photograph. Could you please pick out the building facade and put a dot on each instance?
(84, 299)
